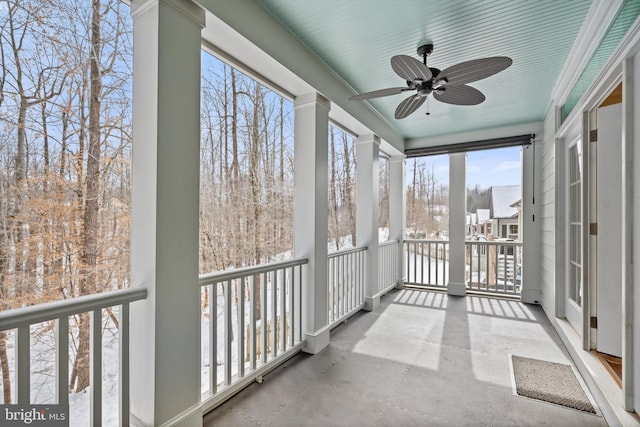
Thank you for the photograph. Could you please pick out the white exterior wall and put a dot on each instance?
(547, 179)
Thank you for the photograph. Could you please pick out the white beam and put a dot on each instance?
(457, 223)
(311, 137)
(367, 209)
(397, 208)
(165, 328)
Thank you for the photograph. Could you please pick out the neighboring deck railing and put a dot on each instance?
(254, 323)
(22, 319)
(388, 267)
(490, 266)
(494, 267)
(346, 277)
(427, 262)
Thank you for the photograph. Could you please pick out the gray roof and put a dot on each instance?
(502, 197)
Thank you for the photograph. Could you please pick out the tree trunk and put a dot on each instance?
(333, 200)
(89, 255)
(348, 184)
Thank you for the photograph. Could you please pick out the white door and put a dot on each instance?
(609, 246)
(573, 309)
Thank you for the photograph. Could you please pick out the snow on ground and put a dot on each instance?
(43, 354)
(426, 270)
(43, 373)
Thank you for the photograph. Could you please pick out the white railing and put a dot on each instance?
(427, 262)
(21, 320)
(494, 267)
(252, 323)
(388, 266)
(346, 277)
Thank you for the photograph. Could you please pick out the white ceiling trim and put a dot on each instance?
(595, 25)
(606, 81)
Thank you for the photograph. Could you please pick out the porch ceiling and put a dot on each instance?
(357, 38)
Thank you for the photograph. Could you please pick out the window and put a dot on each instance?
(65, 142)
(246, 170)
(342, 190)
(513, 231)
(383, 212)
(427, 197)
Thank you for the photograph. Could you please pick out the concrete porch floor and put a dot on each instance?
(421, 359)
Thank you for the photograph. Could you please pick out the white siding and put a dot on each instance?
(547, 182)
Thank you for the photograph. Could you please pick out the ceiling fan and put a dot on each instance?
(448, 85)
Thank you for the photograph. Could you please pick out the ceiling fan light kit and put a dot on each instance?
(448, 86)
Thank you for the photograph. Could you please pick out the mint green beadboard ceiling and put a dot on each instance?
(357, 38)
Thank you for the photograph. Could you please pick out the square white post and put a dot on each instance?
(367, 208)
(311, 136)
(165, 328)
(457, 223)
(397, 210)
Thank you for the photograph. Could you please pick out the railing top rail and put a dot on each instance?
(492, 243)
(10, 319)
(387, 243)
(425, 241)
(217, 277)
(347, 251)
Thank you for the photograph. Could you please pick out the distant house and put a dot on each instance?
(504, 212)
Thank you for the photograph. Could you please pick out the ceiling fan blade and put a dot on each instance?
(409, 105)
(476, 69)
(379, 93)
(410, 68)
(459, 95)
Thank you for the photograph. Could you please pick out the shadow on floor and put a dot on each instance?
(421, 358)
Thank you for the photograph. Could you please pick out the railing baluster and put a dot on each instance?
(212, 313)
(417, 251)
(252, 325)
(292, 280)
(96, 368)
(422, 244)
(62, 360)
(504, 272)
(241, 331)
(263, 317)
(343, 302)
(274, 314)
(228, 331)
(336, 288)
(437, 261)
(124, 365)
(299, 310)
(23, 365)
(283, 310)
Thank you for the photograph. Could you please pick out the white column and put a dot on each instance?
(367, 210)
(531, 220)
(165, 328)
(311, 214)
(457, 223)
(397, 209)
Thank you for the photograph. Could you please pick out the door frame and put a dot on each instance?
(577, 315)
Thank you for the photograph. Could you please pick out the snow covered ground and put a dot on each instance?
(43, 372)
(43, 353)
(426, 270)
